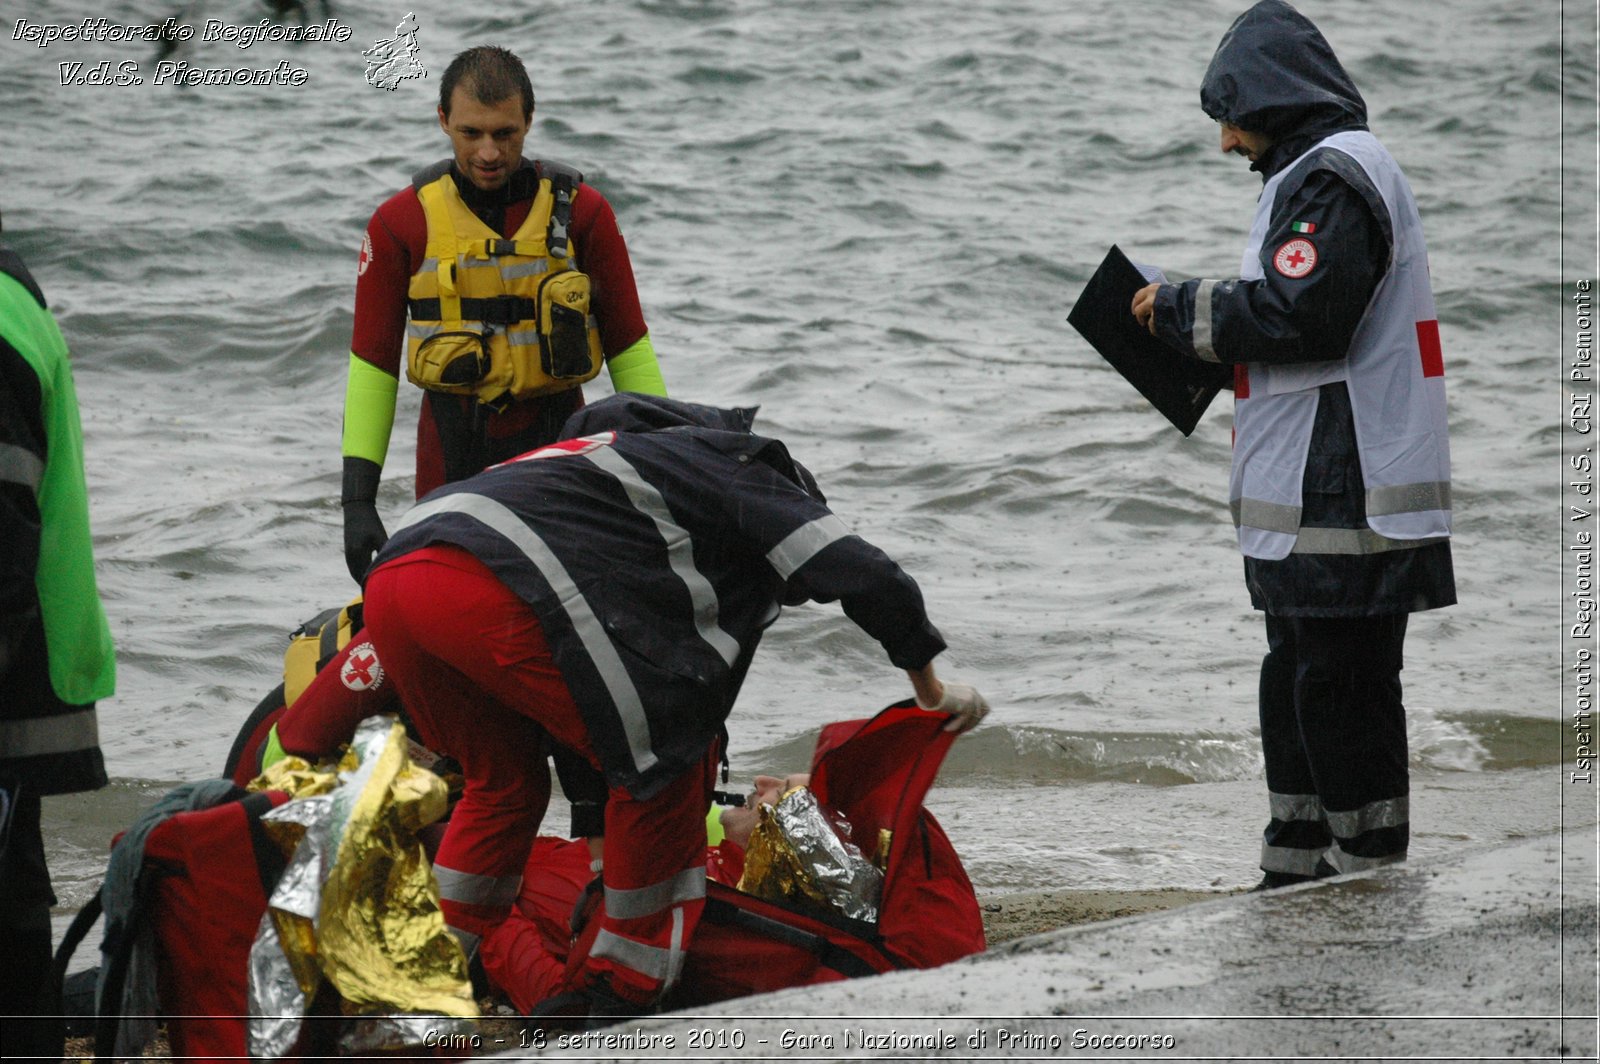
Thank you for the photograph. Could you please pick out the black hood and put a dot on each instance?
(637, 412)
(1274, 74)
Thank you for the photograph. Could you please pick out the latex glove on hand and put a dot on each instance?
(962, 700)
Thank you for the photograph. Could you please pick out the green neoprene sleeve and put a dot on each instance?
(714, 832)
(369, 398)
(272, 750)
(635, 369)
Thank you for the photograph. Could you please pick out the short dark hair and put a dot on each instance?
(491, 73)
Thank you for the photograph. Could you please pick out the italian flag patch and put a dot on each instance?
(1304, 227)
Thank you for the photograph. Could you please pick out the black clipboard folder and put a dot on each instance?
(1178, 386)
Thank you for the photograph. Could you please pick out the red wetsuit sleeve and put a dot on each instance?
(603, 255)
(393, 247)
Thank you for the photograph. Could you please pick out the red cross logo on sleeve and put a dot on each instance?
(361, 671)
(1295, 258)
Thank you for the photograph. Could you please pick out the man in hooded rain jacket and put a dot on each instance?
(1340, 488)
(607, 593)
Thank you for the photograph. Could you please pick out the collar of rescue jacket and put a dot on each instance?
(726, 428)
(1275, 74)
(523, 184)
(638, 412)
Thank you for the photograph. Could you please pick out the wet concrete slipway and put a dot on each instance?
(1489, 955)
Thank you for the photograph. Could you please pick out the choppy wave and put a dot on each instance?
(1009, 755)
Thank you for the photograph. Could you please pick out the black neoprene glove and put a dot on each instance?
(363, 531)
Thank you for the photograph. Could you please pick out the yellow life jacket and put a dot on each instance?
(501, 319)
(313, 645)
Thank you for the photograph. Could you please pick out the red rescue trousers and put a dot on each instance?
(469, 661)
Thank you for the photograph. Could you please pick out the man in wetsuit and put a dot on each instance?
(1341, 464)
(467, 272)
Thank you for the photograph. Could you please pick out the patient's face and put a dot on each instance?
(737, 824)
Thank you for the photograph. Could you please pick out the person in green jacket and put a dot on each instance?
(56, 657)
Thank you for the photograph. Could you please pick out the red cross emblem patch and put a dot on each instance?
(361, 670)
(1295, 258)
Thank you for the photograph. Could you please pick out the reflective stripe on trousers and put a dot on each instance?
(471, 903)
(1332, 836)
(655, 883)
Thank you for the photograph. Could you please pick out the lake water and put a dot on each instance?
(872, 220)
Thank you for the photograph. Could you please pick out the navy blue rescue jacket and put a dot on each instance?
(655, 543)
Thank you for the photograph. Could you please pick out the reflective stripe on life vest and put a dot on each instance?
(1311, 539)
(1408, 498)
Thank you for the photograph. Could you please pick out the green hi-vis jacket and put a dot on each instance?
(60, 659)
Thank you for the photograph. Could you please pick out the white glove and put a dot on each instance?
(963, 700)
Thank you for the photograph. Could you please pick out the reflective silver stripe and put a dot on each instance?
(1269, 516)
(1288, 807)
(469, 888)
(804, 543)
(468, 940)
(688, 885)
(525, 269)
(652, 961)
(18, 465)
(523, 337)
(429, 265)
(1202, 322)
(1388, 813)
(422, 332)
(1347, 862)
(1353, 541)
(675, 957)
(680, 549)
(1408, 498)
(40, 736)
(591, 633)
(1287, 859)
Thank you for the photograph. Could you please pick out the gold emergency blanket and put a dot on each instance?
(796, 856)
(357, 905)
